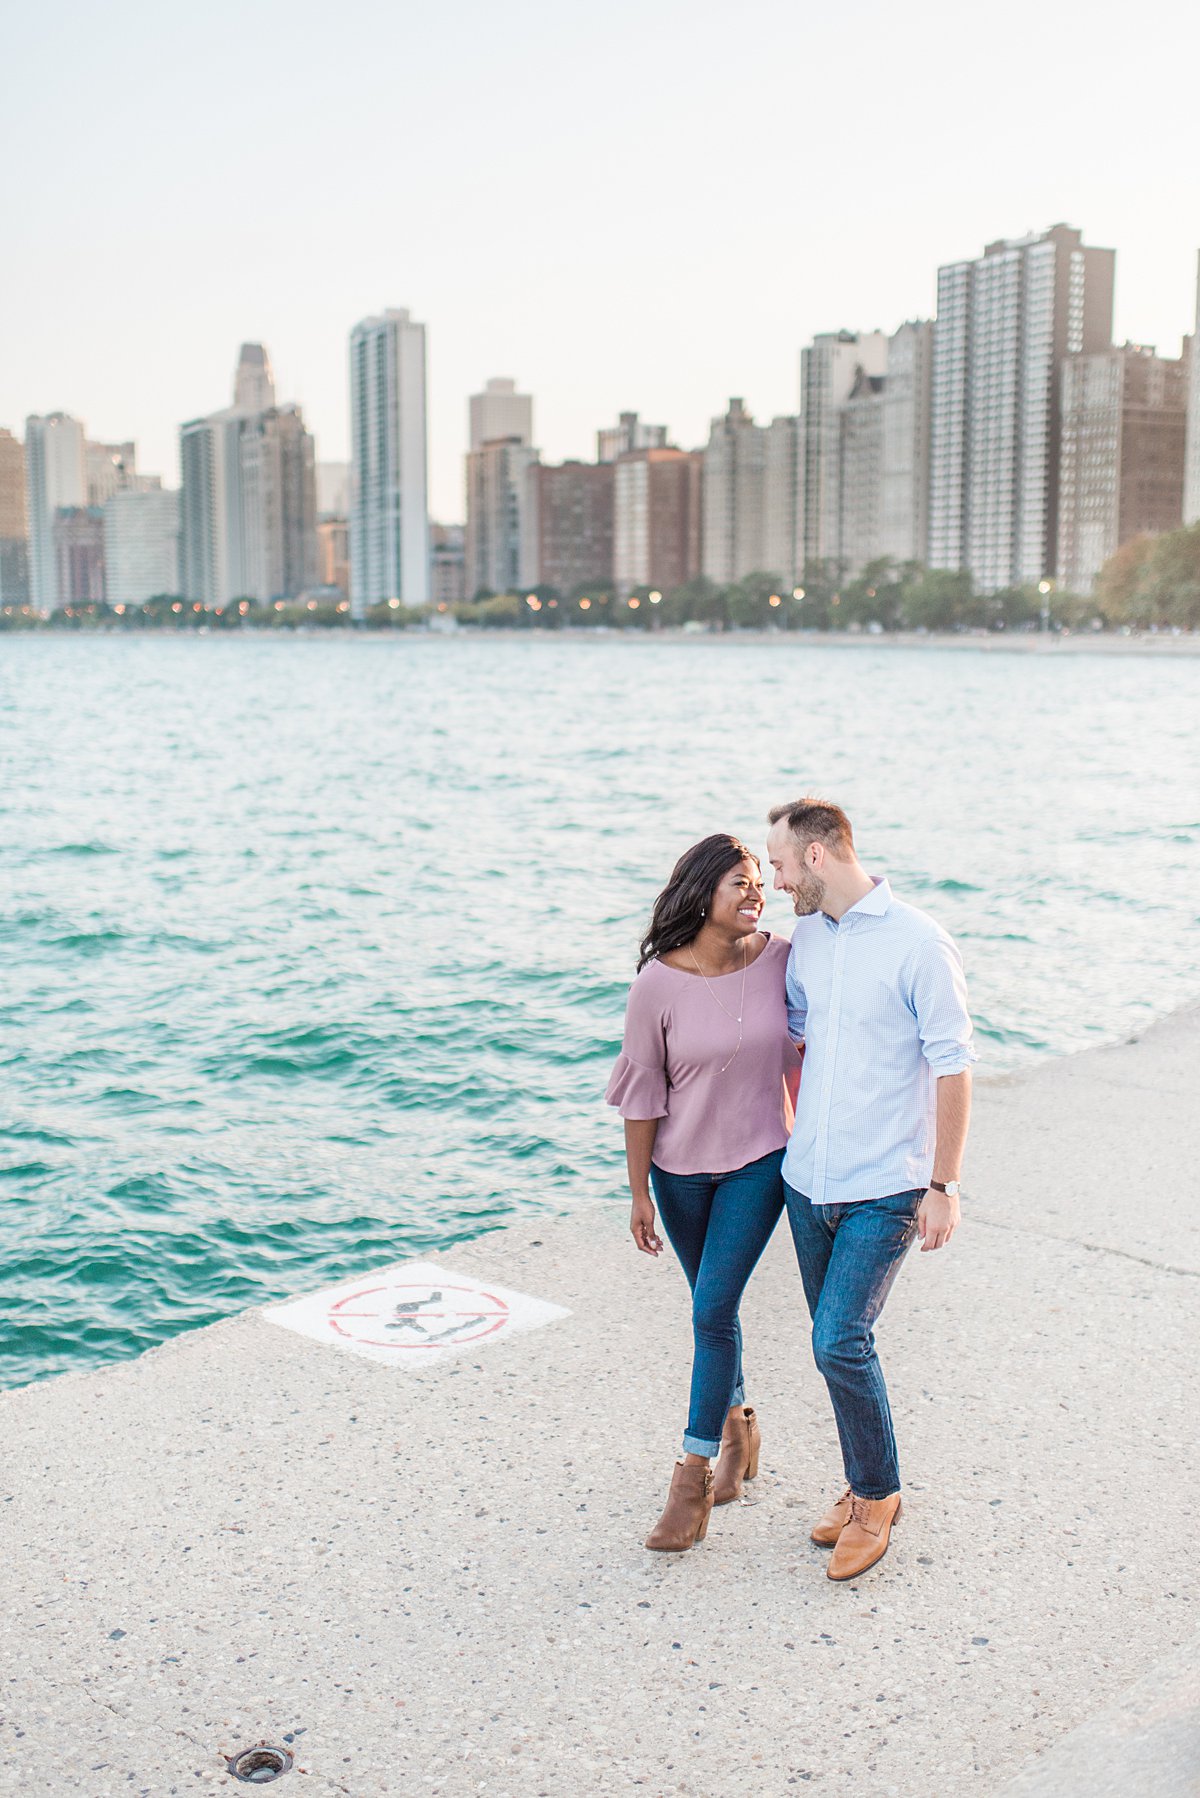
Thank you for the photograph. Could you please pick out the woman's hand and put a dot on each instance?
(641, 1226)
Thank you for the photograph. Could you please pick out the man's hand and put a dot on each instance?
(938, 1217)
(641, 1226)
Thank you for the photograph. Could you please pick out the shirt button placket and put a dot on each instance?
(827, 1083)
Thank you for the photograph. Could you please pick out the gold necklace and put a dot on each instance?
(741, 1001)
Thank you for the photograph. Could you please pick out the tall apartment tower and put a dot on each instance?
(1005, 323)
(248, 500)
(500, 412)
(14, 523)
(1191, 483)
(55, 475)
(783, 545)
(211, 560)
(279, 505)
(657, 519)
(734, 470)
(829, 369)
(628, 434)
(498, 548)
(567, 541)
(883, 487)
(141, 545)
(389, 503)
(1124, 419)
(498, 524)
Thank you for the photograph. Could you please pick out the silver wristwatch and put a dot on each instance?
(951, 1188)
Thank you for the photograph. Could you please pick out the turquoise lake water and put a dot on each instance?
(314, 949)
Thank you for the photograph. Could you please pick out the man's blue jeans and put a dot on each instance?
(849, 1255)
(718, 1225)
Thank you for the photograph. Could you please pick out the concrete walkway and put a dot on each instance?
(433, 1581)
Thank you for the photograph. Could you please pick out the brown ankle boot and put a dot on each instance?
(864, 1539)
(741, 1440)
(826, 1532)
(688, 1508)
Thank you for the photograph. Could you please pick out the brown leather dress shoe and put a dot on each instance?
(865, 1535)
(688, 1509)
(741, 1440)
(826, 1532)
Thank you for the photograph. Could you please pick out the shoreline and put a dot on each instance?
(1161, 644)
(434, 1575)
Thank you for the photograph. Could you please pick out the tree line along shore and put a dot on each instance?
(1150, 584)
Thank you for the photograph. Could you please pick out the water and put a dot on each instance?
(314, 950)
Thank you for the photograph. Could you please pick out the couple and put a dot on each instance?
(870, 993)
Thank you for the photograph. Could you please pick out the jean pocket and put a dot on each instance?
(902, 1204)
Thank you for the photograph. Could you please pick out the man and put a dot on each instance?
(877, 996)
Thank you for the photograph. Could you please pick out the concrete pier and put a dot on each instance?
(431, 1578)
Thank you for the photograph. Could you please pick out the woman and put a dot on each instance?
(700, 1084)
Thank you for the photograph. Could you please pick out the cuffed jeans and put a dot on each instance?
(849, 1256)
(718, 1225)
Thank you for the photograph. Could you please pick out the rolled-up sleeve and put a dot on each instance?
(638, 1085)
(938, 995)
(797, 1003)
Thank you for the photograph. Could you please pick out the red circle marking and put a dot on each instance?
(500, 1315)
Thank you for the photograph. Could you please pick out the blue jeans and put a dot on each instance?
(718, 1225)
(849, 1255)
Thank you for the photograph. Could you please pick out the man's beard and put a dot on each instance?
(807, 894)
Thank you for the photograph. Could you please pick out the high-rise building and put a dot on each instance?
(500, 412)
(389, 507)
(859, 536)
(14, 523)
(734, 478)
(629, 433)
(497, 515)
(1191, 489)
(78, 535)
(141, 545)
(448, 579)
(55, 475)
(1124, 418)
(883, 484)
(568, 540)
(253, 382)
(111, 468)
(829, 369)
(279, 505)
(657, 519)
(211, 561)
(1005, 323)
(248, 500)
(782, 547)
(905, 466)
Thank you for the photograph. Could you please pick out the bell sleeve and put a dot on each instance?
(638, 1085)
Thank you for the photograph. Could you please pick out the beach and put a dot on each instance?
(432, 1578)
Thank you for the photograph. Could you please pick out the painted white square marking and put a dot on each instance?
(414, 1314)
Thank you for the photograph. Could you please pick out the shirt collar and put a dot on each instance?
(872, 904)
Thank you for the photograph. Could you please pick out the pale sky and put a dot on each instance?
(650, 204)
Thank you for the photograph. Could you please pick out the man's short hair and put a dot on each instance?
(816, 821)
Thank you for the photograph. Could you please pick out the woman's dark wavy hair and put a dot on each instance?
(680, 907)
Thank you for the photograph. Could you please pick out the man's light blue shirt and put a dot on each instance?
(880, 1003)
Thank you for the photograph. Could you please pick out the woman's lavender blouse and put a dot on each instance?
(677, 1038)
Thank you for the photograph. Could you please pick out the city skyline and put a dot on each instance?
(543, 252)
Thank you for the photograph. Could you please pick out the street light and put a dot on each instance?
(1045, 588)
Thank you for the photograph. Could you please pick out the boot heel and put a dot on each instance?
(703, 1530)
(899, 1510)
(752, 1469)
